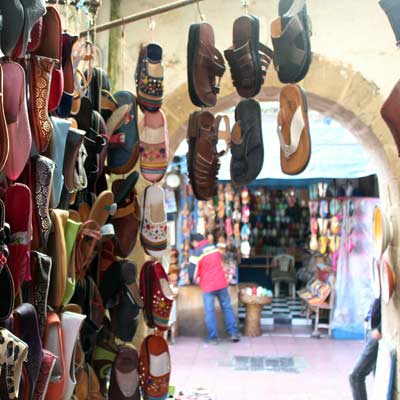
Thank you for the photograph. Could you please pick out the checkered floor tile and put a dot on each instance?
(282, 311)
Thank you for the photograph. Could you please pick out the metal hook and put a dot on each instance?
(245, 6)
(201, 15)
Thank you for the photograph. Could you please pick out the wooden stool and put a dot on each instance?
(254, 305)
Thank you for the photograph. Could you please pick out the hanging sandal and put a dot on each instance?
(202, 157)
(293, 130)
(204, 65)
(290, 34)
(246, 143)
(248, 58)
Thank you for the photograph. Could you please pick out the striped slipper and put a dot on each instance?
(154, 146)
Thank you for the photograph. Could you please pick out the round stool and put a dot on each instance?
(254, 305)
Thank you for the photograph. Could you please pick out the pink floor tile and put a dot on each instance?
(327, 364)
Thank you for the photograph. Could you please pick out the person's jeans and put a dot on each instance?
(209, 309)
(364, 366)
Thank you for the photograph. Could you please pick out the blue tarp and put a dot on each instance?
(336, 153)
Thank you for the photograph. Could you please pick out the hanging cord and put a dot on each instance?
(201, 15)
(124, 60)
(245, 6)
(152, 27)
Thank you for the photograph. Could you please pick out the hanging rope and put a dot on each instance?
(201, 15)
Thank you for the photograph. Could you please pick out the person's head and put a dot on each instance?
(196, 238)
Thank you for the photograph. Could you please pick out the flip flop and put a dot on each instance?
(293, 130)
(248, 58)
(204, 64)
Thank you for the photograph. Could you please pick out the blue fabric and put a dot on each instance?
(64, 109)
(226, 307)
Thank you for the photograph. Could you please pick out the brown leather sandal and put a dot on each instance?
(205, 64)
(248, 58)
(202, 157)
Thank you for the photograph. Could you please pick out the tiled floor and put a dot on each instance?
(324, 365)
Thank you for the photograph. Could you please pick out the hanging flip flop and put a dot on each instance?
(293, 130)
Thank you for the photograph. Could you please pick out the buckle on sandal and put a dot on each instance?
(216, 87)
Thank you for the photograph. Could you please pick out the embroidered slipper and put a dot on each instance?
(51, 47)
(154, 146)
(248, 58)
(246, 143)
(46, 370)
(124, 384)
(293, 130)
(154, 368)
(124, 143)
(40, 269)
(290, 34)
(16, 113)
(389, 113)
(156, 294)
(153, 229)
(204, 65)
(13, 354)
(149, 77)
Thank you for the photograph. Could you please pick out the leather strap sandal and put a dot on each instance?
(202, 157)
(248, 58)
(205, 65)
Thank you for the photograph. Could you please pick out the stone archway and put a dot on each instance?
(336, 90)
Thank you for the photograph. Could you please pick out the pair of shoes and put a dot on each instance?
(235, 338)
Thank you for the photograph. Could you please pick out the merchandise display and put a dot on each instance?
(114, 189)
